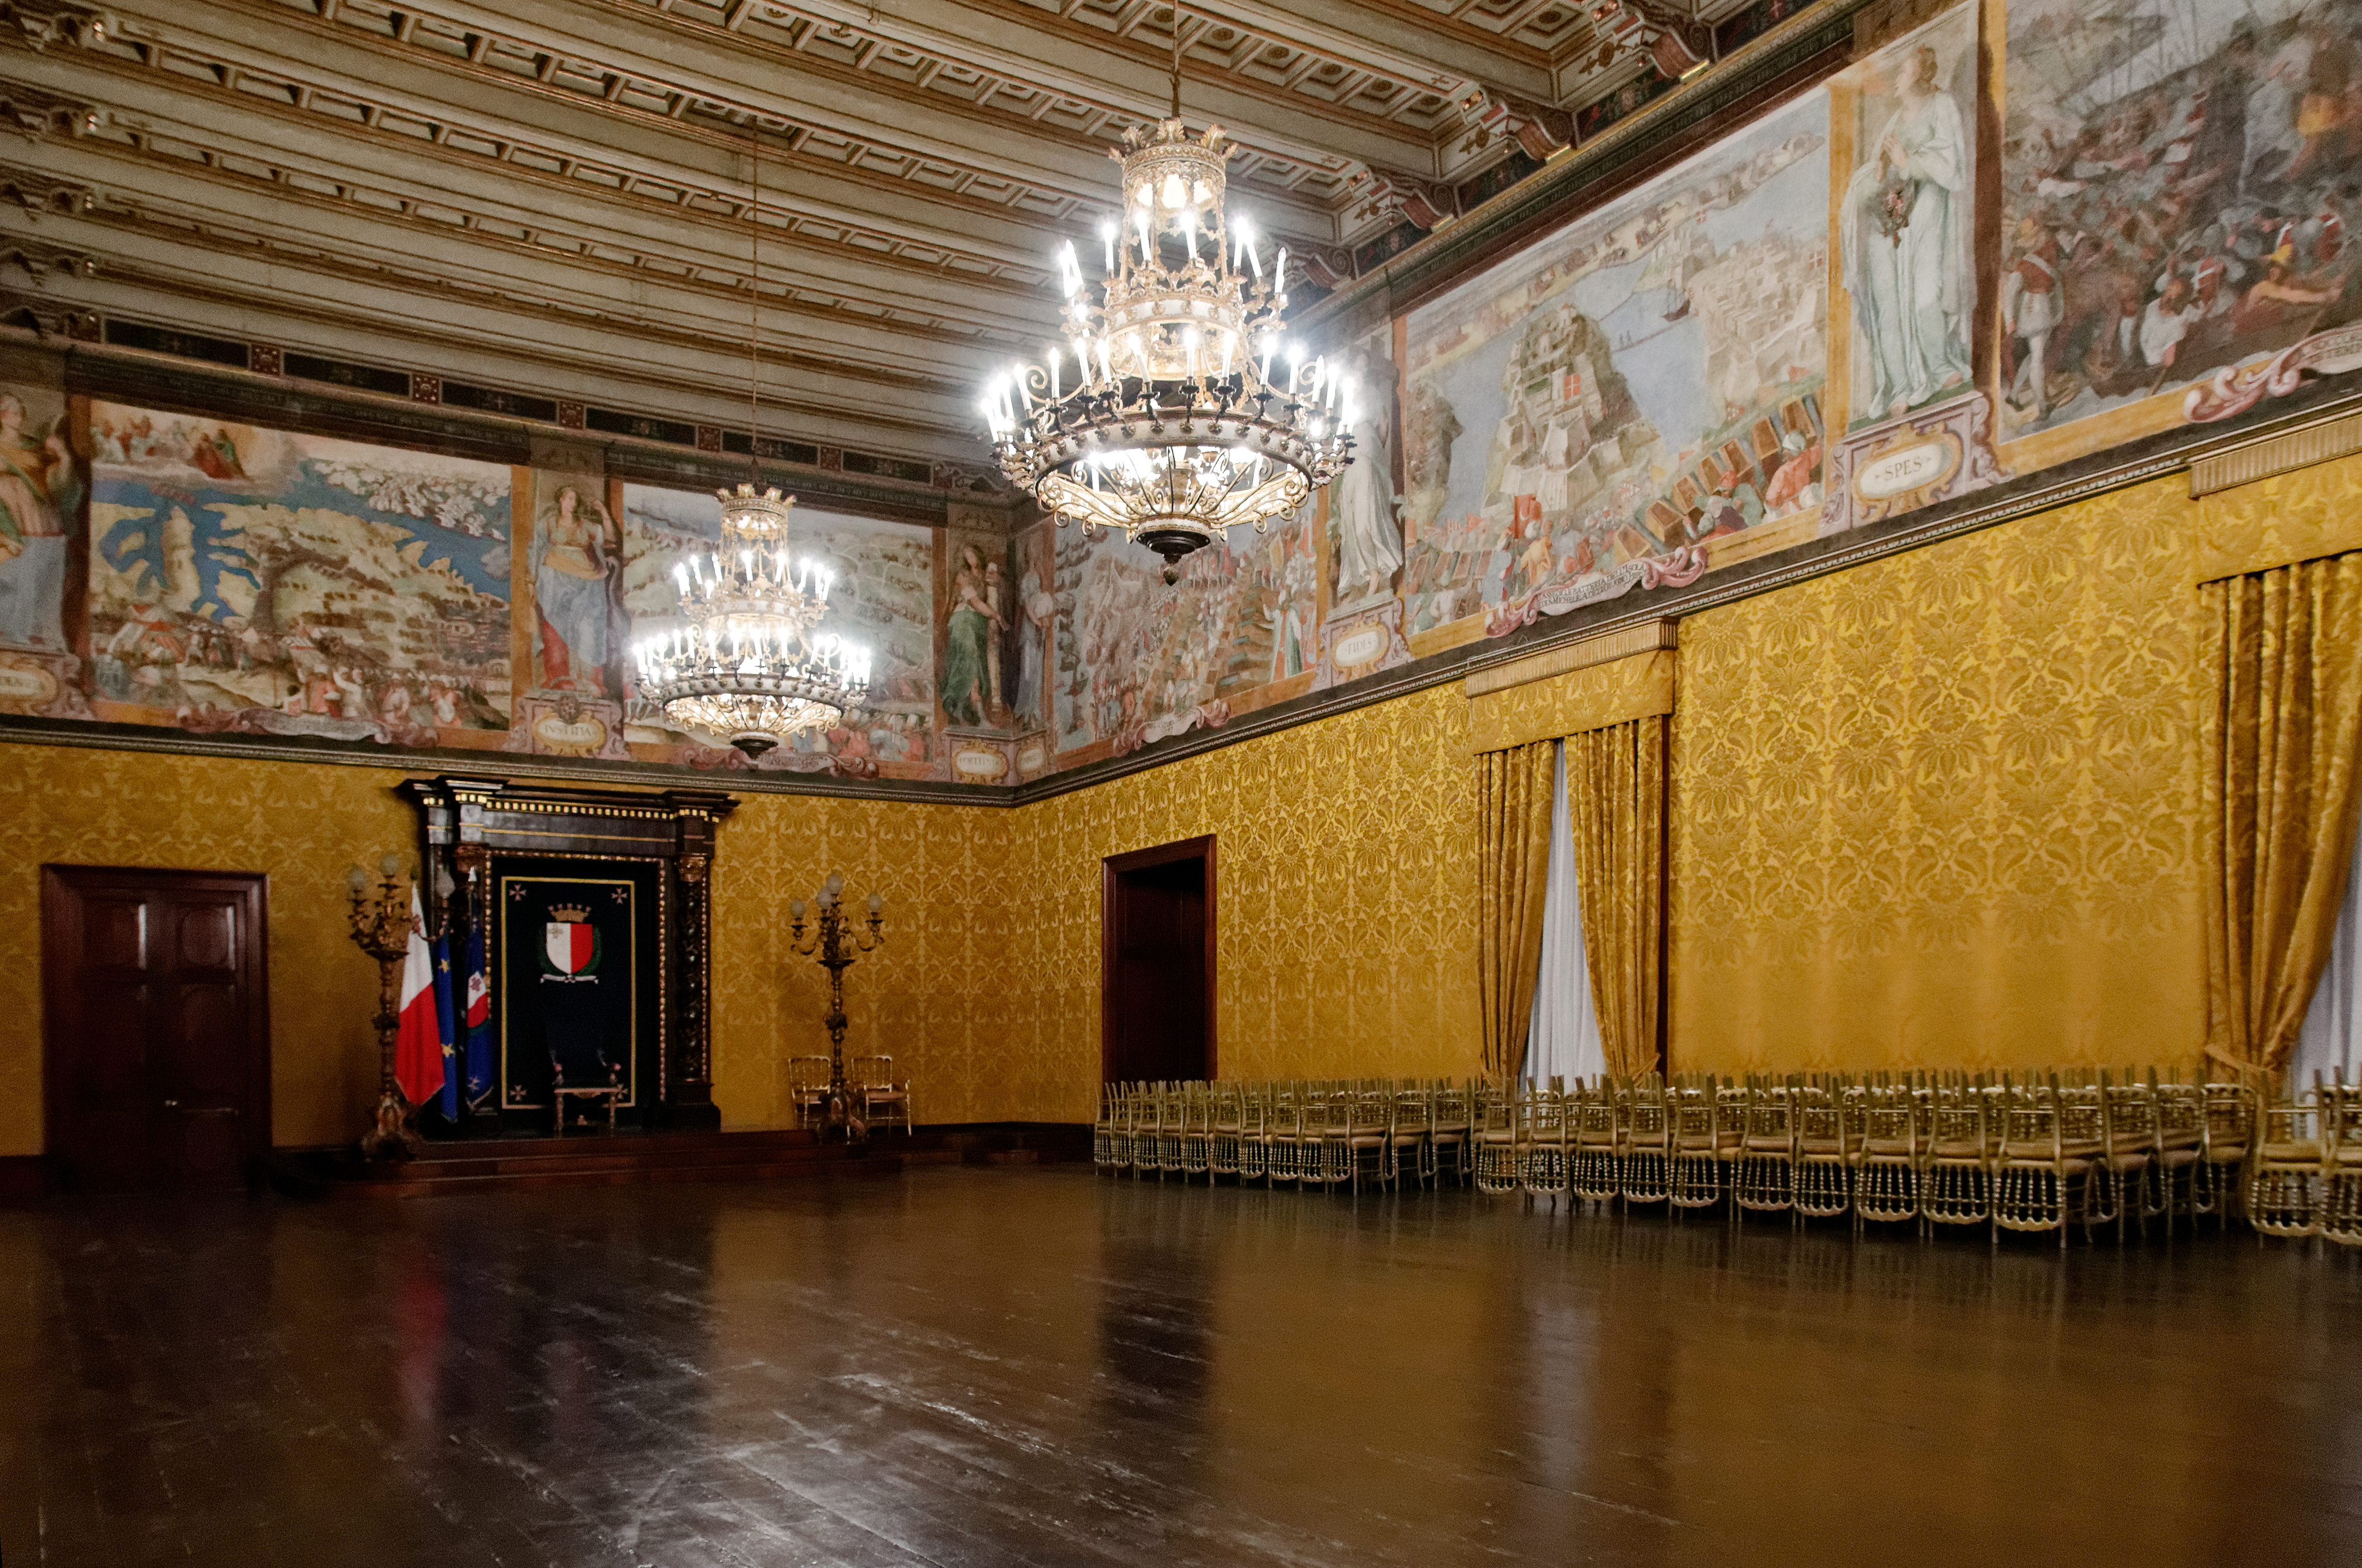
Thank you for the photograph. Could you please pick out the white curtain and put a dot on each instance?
(2332, 1037)
(1565, 1039)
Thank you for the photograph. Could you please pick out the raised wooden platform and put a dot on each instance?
(582, 1159)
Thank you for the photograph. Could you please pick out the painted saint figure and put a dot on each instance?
(36, 473)
(576, 554)
(1904, 219)
(1369, 538)
(969, 632)
(1040, 611)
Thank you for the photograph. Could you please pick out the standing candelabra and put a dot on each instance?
(836, 943)
(380, 928)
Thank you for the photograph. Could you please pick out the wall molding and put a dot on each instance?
(1602, 647)
(2256, 460)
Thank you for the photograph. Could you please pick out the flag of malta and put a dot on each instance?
(418, 1043)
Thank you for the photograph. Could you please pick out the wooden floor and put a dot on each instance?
(1038, 1366)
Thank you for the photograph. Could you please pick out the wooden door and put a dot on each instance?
(1157, 982)
(157, 1040)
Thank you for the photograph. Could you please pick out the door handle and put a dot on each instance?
(202, 1109)
(171, 1105)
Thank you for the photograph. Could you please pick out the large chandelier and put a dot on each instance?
(752, 667)
(1171, 426)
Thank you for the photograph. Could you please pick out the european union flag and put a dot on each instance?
(478, 1021)
(447, 1025)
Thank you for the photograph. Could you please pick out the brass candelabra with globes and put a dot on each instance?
(836, 942)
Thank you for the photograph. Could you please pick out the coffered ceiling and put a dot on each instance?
(553, 194)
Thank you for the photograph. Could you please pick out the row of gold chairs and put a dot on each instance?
(878, 1098)
(2009, 1152)
(2046, 1152)
(1339, 1133)
(2307, 1174)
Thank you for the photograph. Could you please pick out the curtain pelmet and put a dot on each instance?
(1615, 810)
(2279, 733)
(1513, 795)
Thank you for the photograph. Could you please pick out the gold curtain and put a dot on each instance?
(1616, 811)
(2279, 729)
(1513, 805)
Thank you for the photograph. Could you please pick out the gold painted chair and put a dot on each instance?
(1408, 1139)
(885, 1100)
(1499, 1146)
(1956, 1173)
(1695, 1164)
(2180, 1145)
(1822, 1180)
(808, 1088)
(1450, 1131)
(1222, 1151)
(2219, 1182)
(1765, 1180)
(1196, 1121)
(1645, 1171)
(2133, 1140)
(1295, 1130)
(2046, 1173)
(1254, 1133)
(1103, 1129)
(2285, 1174)
(1544, 1146)
(1889, 1125)
(1595, 1171)
(2341, 1164)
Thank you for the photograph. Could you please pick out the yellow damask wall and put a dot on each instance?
(1346, 895)
(928, 997)
(1942, 808)
(300, 825)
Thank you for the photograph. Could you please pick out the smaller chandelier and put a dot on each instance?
(752, 667)
(1171, 427)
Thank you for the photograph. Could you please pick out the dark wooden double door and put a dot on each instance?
(156, 1056)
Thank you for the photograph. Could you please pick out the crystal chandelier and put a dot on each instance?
(752, 667)
(1171, 426)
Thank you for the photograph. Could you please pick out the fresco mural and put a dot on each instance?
(1776, 338)
(882, 596)
(2178, 182)
(257, 580)
(1644, 380)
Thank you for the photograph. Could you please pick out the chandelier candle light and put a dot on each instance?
(1175, 411)
(752, 667)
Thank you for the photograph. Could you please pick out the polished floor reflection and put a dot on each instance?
(985, 1367)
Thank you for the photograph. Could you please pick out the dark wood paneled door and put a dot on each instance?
(1156, 980)
(157, 1034)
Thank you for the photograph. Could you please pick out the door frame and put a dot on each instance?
(58, 882)
(1111, 871)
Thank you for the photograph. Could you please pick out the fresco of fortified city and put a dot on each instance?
(882, 596)
(2180, 189)
(1644, 380)
(1134, 661)
(259, 581)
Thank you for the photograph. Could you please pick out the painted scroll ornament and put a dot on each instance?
(1677, 568)
(2234, 389)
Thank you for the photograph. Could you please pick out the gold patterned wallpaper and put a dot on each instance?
(1345, 902)
(1942, 808)
(300, 825)
(1936, 808)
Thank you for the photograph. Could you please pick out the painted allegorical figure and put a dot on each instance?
(1369, 537)
(577, 551)
(971, 668)
(1039, 609)
(36, 477)
(1904, 219)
